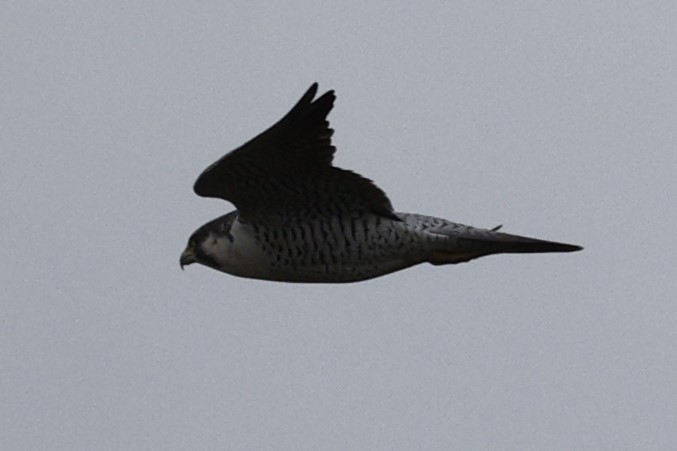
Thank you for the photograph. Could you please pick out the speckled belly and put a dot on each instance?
(339, 249)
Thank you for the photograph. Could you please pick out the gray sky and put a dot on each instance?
(556, 119)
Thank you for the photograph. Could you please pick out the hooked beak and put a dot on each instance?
(187, 257)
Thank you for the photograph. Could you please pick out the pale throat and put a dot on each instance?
(217, 246)
(237, 252)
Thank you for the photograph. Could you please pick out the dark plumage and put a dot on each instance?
(300, 219)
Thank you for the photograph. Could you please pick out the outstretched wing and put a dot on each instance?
(289, 167)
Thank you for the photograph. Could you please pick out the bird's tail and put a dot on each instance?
(474, 243)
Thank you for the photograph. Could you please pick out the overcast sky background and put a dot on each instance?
(556, 119)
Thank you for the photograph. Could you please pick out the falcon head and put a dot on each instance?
(203, 242)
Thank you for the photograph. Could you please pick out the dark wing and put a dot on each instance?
(289, 167)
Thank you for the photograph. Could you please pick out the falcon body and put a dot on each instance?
(300, 219)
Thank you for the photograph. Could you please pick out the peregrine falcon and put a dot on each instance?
(301, 219)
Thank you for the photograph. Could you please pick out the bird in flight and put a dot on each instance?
(301, 219)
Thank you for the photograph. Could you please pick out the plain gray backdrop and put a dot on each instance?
(556, 119)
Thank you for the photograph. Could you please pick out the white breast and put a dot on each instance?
(238, 254)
